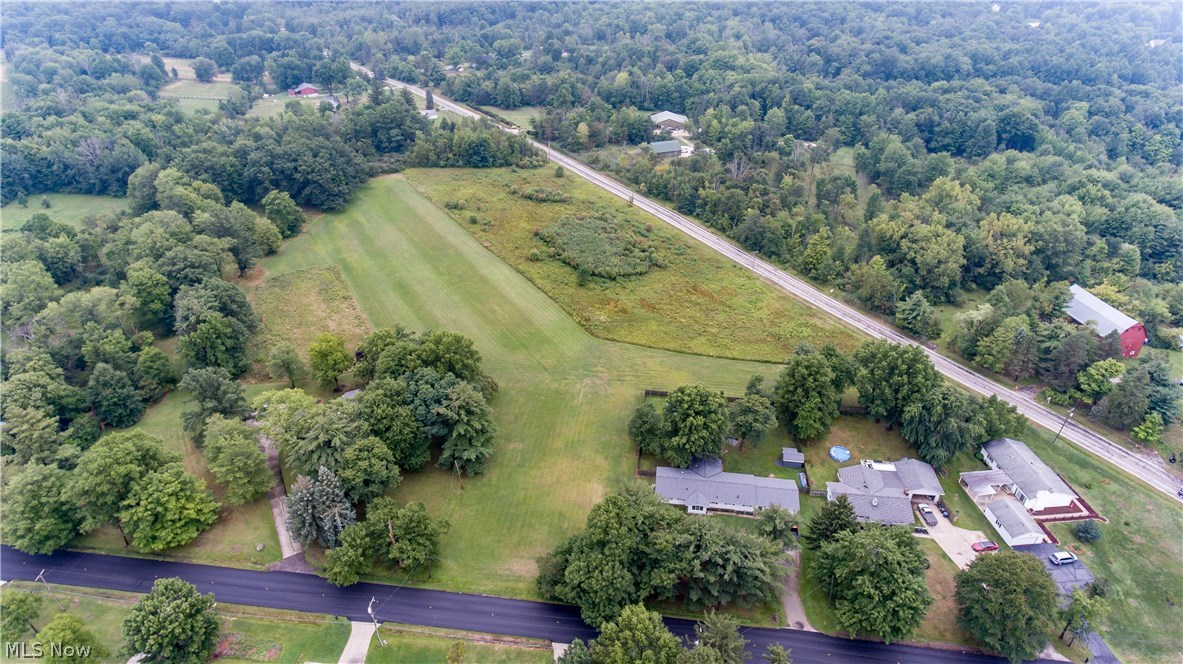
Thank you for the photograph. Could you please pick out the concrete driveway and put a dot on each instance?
(956, 542)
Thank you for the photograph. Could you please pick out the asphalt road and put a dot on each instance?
(1148, 470)
(417, 606)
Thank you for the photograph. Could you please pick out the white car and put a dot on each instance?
(1062, 558)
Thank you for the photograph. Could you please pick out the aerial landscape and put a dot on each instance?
(591, 333)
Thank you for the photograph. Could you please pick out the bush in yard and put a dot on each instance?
(1087, 531)
(601, 245)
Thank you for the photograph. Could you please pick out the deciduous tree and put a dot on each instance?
(328, 359)
(173, 623)
(233, 456)
(283, 362)
(805, 398)
(1007, 601)
(39, 516)
(695, 423)
(892, 376)
(752, 417)
(214, 393)
(368, 470)
(67, 639)
(167, 508)
(876, 577)
(638, 635)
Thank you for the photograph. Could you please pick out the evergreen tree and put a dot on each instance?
(917, 316)
(470, 443)
(834, 517)
(300, 505)
(334, 513)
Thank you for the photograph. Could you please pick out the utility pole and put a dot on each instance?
(370, 610)
(41, 578)
(1067, 417)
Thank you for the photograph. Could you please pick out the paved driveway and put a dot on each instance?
(956, 542)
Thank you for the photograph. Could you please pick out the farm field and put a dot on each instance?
(415, 645)
(249, 634)
(565, 396)
(520, 116)
(69, 209)
(700, 303)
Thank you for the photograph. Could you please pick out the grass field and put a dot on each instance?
(413, 645)
(232, 540)
(277, 103)
(69, 209)
(296, 306)
(192, 95)
(701, 303)
(565, 396)
(519, 116)
(248, 634)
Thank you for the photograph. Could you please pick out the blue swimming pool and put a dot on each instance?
(839, 453)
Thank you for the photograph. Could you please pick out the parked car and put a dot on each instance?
(920, 530)
(984, 545)
(927, 514)
(1062, 558)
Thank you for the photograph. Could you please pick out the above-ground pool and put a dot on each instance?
(839, 453)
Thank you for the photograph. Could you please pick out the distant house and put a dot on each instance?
(1032, 481)
(791, 458)
(674, 122)
(883, 492)
(666, 148)
(705, 487)
(1088, 309)
(303, 90)
(429, 113)
(1013, 523)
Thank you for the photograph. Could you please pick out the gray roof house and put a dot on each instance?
(1013, 522)
(704, 486)
(1034, 483)
(882, 492)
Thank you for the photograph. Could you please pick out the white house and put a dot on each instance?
(1032, 482)
(1013, 522)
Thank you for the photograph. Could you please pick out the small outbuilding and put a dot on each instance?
(666, 148)
(791, 458)
(1088, 309)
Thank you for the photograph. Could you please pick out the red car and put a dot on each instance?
(986, 545)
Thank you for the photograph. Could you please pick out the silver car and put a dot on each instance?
(1062, 558)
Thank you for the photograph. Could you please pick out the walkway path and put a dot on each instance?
(1150, 471)
(276, 496)
(790, 599)
(360, 635)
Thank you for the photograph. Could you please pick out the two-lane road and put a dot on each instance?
(417, 606)
(1143, 468)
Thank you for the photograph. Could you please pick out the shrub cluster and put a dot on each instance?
(601, 245)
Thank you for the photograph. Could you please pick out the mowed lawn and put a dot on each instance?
(68, 209)
(416, 644)
(565, 396)
(248, 634)
(701, 303)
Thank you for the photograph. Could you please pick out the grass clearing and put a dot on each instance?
(249, 634)
(565, 396)
(70, 209)
(296, 306)
(519, 116)
(233, 539)
(277, 104)
(192, 95)
(414, 645)
(701, 303)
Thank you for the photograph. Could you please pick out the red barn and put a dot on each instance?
(1086, 308)
(303, 89)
